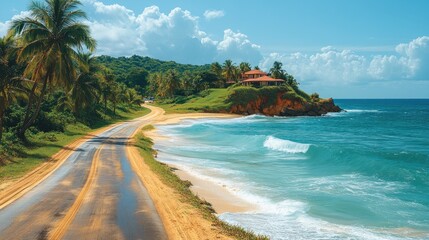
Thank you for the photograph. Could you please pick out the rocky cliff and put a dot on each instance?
(284, 104)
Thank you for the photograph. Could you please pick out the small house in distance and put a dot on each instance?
(259, 78)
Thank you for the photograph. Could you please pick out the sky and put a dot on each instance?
(340, 49)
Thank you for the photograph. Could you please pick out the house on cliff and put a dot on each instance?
(258, 78)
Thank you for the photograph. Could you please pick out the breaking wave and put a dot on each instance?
(287, 146)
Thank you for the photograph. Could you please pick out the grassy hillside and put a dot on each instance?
(220, 100)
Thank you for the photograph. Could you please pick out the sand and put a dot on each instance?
(221, 198)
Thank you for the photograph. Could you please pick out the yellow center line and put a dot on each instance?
(62, 227)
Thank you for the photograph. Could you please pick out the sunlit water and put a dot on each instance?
(360, 174)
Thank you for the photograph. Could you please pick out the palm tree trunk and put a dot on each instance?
(31, 100)
(31, 118)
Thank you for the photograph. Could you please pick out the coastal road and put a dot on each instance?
(94, 194)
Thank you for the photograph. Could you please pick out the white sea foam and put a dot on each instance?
(362, 110)
(284, 219)
(287, 146)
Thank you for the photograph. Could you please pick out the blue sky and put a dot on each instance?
(343, 49)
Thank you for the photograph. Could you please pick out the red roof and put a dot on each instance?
(255, 71)
(263, 79)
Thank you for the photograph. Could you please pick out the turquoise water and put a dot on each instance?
(360, 174)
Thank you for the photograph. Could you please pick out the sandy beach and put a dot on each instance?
(221, 198)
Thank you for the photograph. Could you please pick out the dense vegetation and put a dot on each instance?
(48, 84)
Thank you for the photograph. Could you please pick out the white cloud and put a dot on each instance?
(237, 46)
(174, 35)
(4, 26)
(169, 36)
(344, 66)
(212, 14)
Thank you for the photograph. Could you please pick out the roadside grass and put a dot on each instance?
(167, 175)
(43, 145)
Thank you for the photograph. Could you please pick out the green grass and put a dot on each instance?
(169, 178)
(221, 100)
(42, 145)
(211, 100)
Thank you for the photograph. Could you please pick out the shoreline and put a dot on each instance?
(221, 199)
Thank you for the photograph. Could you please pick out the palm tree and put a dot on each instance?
(170, 83)
(51, 37)
(133, 97)
(228, 70)
(7, 46)
(216, 68)
(277, 71)
(86, 86)
(11, 84)
(245, 67)
(107, 85)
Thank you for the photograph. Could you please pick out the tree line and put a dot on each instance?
(46, 69)
(175, 83)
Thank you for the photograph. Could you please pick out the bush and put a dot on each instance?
(244, 95)
(315, 97)
(13, 116)
(53, 121)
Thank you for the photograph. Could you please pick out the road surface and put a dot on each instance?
(94, 194)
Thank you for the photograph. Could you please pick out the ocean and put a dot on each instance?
(359, 174)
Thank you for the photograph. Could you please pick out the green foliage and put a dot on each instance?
(244, 95)
(211, 100)
(122, 66)
(245, 67)
(315, 97)
(49, 39)
(136, 78)
(301, 93)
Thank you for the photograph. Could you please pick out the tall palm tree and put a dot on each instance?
(228, 70)
(277, 71)
(87, 86)
(245, 66)
(170, 83)
(51, 37)
(107, 87)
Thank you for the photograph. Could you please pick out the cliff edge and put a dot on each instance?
(278, 101)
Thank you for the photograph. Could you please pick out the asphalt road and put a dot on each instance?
(94, 194)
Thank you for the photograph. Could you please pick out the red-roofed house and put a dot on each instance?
(259, 78)
(253, 74)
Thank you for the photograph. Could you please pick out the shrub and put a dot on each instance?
(315, 97)
(53, 121)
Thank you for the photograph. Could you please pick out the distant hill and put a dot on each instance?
(123, 65)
